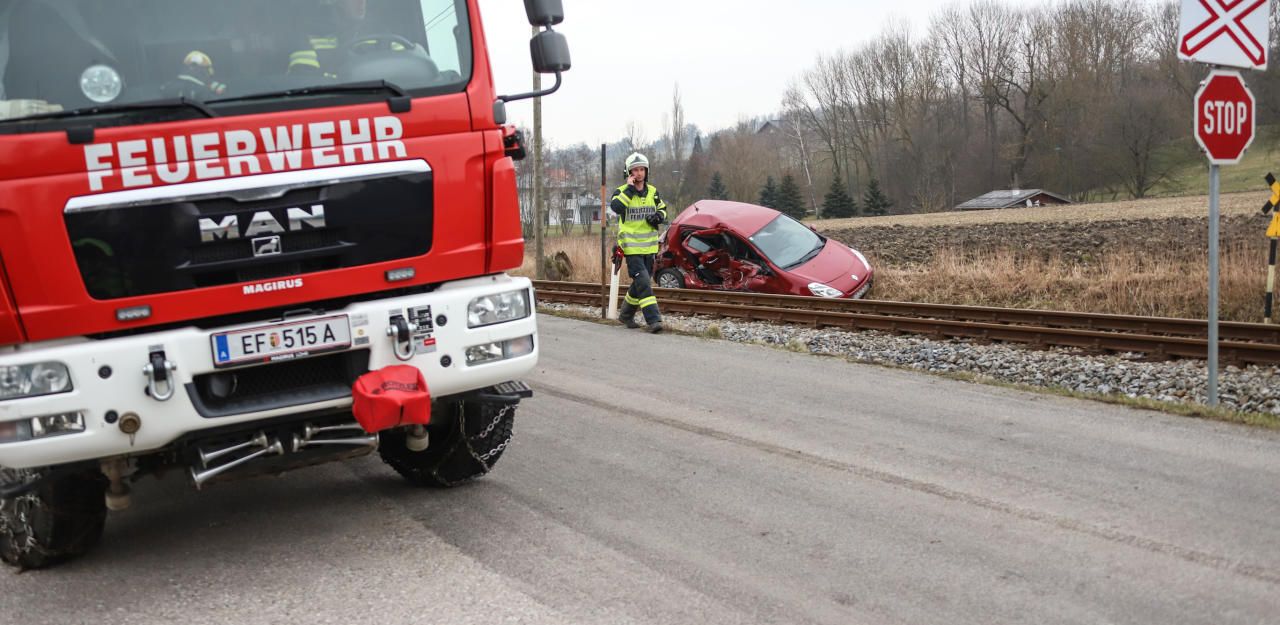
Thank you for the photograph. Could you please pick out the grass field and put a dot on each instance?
(1011, 257)
(1189, 171)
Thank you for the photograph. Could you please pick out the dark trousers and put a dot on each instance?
(640, 295)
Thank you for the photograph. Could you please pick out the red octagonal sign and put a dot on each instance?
(1224, 117)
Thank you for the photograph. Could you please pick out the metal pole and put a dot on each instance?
(1271, 281)
(604, 227)
(539, 212)
(1213, 284)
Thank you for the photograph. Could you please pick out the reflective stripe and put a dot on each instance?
(631, 300)
(635, 235)
(648, 301)
(324, 43)
(638, 235)
(304, 58)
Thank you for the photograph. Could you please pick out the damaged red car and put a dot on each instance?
(732, 246)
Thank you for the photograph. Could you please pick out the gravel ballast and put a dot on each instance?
(1254, 389)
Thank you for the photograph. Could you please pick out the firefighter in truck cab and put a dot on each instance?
(640, 210)
(336, 29)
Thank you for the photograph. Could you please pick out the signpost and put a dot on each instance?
(1232, 33)
(1224, 129)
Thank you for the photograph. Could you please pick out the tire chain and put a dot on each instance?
(484, 434)
(19, 529)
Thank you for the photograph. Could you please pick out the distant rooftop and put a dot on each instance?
(1010, 198)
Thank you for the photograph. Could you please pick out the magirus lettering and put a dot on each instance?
(260, 223)
(269, 287)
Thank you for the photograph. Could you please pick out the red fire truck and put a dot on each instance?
(216, 217)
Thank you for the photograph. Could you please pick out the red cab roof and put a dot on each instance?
(746, 219)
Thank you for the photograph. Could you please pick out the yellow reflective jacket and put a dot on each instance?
(635, 235)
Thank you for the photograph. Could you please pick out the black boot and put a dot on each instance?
(627, 316)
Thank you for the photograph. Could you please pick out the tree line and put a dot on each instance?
(1086, 98)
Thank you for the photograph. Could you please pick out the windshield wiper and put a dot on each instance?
(822, 244)
(346, 87)
(107, 109)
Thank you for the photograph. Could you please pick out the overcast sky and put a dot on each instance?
(732, 59)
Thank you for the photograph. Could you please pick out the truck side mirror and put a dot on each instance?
(550, 52)
(549, 49)
(544, 13)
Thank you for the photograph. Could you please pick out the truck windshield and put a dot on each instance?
(63, 55)
(787, 243)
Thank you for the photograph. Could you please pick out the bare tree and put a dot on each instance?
(676, 136)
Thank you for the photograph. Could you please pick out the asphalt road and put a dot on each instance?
(722, 483)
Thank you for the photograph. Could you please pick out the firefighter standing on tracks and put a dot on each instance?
(640, 211)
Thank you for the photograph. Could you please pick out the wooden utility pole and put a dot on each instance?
(539, 208)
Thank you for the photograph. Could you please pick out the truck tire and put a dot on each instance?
(59, 519)
(467, 439)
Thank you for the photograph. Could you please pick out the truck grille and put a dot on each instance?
(176, 245)
(277, 385)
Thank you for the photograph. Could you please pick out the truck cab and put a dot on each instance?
(217, 217)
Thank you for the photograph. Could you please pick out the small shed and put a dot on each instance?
(1013, 198)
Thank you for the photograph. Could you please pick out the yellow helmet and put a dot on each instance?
(196, 58)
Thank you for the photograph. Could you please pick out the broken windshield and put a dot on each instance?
(61, 55)
(787, 243)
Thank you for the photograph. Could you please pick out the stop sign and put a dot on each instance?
(1224, 117)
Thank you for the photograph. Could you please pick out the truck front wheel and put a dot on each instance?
(466, 440)
(61, 518)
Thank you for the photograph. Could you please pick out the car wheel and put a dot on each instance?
(669, 278)
(466, 439)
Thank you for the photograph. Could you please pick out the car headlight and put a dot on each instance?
(41, 378)
(499, 308)
(822, 290)
(862, 258)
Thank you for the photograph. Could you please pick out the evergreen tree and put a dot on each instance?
(788, 198)
(769, 194)
(838, 204)
(717, 190)
(875, 200)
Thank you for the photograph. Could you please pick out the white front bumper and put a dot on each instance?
(190, 349)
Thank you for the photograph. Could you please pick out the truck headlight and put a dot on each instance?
(498, 308)
(822, 290)
(45, 426)
(499, 350)
(41, 378)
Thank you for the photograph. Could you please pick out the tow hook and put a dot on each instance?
(401, 331)
(159, 372)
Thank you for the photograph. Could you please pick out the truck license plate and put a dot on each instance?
(281, 341)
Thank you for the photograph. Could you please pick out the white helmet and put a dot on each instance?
(635, 160)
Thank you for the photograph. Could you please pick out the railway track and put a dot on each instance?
(1156, 337)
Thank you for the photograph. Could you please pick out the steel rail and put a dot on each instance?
(1041, 336)
(1158, 326)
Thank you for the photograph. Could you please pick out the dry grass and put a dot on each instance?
(1157, 208)
(583, 252)
(1120, 282)
(1117, 280)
